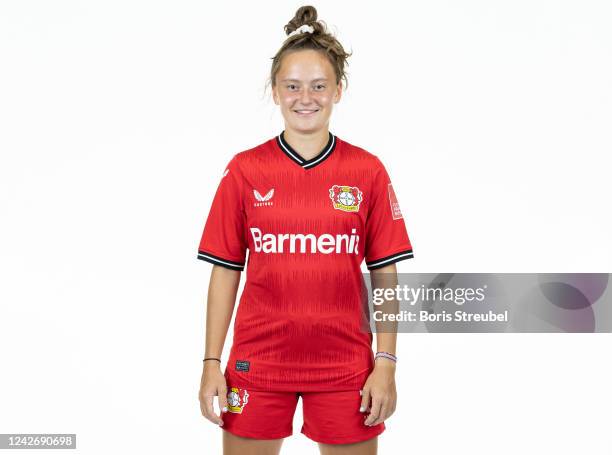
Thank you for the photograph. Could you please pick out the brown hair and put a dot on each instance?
(320, 40)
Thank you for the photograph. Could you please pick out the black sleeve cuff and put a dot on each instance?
(396, 257)
(216, 260)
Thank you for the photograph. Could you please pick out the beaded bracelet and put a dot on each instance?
(386, 355)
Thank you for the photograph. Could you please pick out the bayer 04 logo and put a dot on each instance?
(345, 197)
(237, 399)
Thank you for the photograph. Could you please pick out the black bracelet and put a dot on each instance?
(211, 358)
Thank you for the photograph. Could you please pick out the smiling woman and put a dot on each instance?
(306, 94)
(306, 79)
(309, 207)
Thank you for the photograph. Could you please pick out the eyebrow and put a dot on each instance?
(297, 80)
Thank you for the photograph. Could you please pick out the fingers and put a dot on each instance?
(365, 399)
(223, 398)
(385, 407)
(375, 412)
(206, 405)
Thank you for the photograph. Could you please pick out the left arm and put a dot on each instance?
(380, 385)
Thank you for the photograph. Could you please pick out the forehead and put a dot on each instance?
(305, 65)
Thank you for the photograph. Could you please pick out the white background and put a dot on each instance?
(117, 119)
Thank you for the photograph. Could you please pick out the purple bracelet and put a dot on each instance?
(386, 355)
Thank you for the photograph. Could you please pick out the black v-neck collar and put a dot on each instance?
(297, 158)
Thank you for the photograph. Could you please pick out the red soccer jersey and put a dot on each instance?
(302, 322)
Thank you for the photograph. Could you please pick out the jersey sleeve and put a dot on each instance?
(223, 239)
(387, 240)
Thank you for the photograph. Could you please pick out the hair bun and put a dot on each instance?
(313, 35)
(305, 15)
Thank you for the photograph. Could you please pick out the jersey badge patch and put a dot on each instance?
(395, 208)
(346, 198)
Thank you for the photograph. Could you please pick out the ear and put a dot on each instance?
(338, 93)
(275, 96)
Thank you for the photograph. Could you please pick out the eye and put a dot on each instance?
(320, 86)
(291, 86)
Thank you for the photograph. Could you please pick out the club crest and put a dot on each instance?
(237, 400)
(346, 198)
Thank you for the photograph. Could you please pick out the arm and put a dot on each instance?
(222, 290)
(380, 386)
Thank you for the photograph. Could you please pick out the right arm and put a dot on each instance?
(222, 290)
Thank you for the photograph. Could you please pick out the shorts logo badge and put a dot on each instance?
(237, 399)
(346, 198)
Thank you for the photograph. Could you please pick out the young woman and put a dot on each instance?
(309, 207)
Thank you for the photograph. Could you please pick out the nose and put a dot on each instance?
(306, 97)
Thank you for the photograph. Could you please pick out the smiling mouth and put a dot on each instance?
(306, 111)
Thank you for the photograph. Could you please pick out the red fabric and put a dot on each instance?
(302, 322)
(329, 417)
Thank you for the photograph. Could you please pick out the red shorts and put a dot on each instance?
(329, 417)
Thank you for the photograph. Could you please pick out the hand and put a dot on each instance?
(213, 383)
(380, 388)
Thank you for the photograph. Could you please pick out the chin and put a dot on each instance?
(307, 125)
(306, 128)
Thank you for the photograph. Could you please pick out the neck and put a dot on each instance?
(308, 145)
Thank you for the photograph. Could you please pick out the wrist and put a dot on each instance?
(212, 362)
(384, 363)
